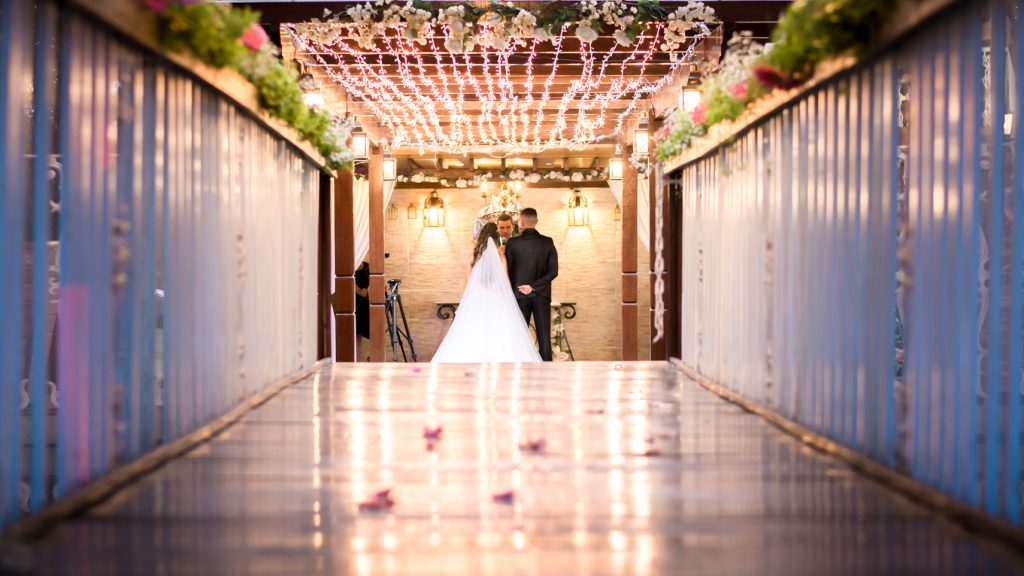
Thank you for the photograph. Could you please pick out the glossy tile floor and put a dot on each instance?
(642, 473)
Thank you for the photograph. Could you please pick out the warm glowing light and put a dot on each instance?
(390, 169)
(579, 209)
(641, 141)
(433, 211)
(459, 106)
(313, 99)
(519, 162)
(689, 99)
(615, 169)
(360, 145)
(479, 163)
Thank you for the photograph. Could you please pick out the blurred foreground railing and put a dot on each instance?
(854, 259)
(158, 252)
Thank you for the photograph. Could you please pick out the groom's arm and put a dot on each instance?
(551, 273)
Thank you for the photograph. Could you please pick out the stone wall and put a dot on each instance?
(433, 264)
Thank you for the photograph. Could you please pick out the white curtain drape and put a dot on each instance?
(361, 206)
(643, 206)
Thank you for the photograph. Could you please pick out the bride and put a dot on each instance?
(488, 326)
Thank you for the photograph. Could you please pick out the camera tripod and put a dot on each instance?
(392, 303)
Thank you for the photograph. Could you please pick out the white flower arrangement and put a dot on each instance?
(514, 175)
(500, 26)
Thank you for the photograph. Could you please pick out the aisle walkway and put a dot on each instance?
(642, 473)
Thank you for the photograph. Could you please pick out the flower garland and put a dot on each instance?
(467, 26)
(476, 180)
(226, 37)
(810, 32)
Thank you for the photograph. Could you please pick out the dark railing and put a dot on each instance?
(158, 252)
(853, 260)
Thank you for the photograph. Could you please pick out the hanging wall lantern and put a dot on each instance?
(615, 169)
(410, 212)
(360, 145)
(578, 209)
(641, 141)
(433, 211)
(689, 99)
(390, 169)
(392, 212)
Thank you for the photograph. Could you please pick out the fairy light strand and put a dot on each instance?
(409, 95)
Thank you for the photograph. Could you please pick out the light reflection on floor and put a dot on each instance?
(643, 474)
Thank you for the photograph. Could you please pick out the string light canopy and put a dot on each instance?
(490, 78)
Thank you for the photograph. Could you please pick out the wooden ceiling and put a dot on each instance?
(542, 78)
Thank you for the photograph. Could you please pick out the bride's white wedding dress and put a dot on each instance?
(488, 326)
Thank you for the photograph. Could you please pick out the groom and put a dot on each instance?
(532, 265)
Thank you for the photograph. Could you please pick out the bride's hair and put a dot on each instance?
(490, 230)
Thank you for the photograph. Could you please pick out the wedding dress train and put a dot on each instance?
(488, 326)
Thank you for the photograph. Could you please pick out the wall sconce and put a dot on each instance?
(390, 169)
(641, 141)
(617, 215)
(392, 212)
(433, 211)
(615, 169)
(578, 209)
(311, 94)
(689, 99)
(313, 99)
(410, 212)
(360, 145)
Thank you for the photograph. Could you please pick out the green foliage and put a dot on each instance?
(208, 31)
(213, 33)
(278, 91)
(680, 133)
(814, 30)
(810, 32)
(722, 106)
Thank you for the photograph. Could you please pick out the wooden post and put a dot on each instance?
(657, 348)
(378, 324)
(629, 254)
(344, 297)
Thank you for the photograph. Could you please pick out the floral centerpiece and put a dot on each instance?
(468, 25)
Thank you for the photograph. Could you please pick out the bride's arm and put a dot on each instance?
(504, 260)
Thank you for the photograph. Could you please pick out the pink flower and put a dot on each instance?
(772, 78)
(699, 114)
(255, 37)
(157, 5)
(739, 90)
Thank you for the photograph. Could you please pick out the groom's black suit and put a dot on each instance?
(532, 259)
